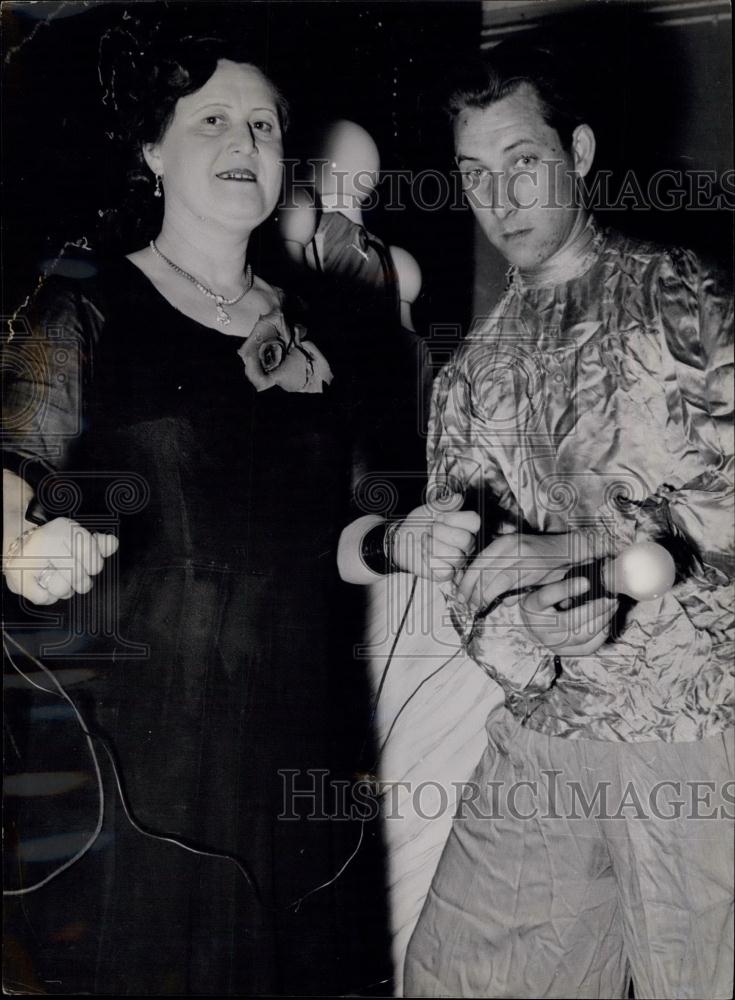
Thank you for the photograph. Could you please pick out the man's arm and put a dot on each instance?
(695, 313)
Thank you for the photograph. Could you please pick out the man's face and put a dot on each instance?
(517, 177)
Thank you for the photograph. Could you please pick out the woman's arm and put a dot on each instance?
(17, 498)
(47, 562)
(43, 416)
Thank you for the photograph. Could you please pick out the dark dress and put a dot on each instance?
(212, 643)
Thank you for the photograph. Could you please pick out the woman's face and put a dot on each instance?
(221, 155)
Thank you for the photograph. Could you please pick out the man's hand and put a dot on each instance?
(434, 540)
(579, 631)
(516, 560)
(55, 560)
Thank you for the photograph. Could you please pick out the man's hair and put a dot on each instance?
(506, 68)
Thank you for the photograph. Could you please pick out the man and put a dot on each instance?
(591, 410)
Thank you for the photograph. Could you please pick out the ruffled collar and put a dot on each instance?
(576, 256)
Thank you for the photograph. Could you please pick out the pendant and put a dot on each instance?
(223, 318)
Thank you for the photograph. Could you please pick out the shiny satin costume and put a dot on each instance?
(598, 397)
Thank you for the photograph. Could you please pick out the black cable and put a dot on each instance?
(90, 734)
(407, 701)
(386, 668)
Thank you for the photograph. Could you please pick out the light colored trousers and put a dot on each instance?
(573, 865)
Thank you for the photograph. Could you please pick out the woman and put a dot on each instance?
(194, 429)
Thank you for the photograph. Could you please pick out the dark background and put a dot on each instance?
(332, 60)
(660, 88)
(657, 79)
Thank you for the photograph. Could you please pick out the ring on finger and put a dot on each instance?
(43, 578)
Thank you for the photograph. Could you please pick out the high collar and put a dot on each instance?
(573, 258)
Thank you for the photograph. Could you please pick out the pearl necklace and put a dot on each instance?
(223, 317)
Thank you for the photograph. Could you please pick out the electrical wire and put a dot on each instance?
(386, 668)
(405, 704)
(90, 735)
(61, 693)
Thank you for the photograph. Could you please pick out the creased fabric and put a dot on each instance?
(603, 403)
(572, 864)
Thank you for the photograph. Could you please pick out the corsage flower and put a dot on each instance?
(275, 355)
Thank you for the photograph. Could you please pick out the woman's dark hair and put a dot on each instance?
(507, 67)
(171, 70)
(143, 84)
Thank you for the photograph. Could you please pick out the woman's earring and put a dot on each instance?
(157, 190)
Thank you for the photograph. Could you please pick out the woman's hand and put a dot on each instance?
(55, 560)
(434, 540)
(578, 631)
(516, 560)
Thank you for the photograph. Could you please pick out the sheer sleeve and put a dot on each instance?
(48, 361)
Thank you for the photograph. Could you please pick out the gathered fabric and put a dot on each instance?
(597, 398)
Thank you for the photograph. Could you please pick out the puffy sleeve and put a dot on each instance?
(501, 645)
(461, 458)
(694, 315)
(47, 369)
(460, 453)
